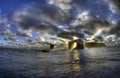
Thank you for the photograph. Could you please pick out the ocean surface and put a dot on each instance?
(84, 63)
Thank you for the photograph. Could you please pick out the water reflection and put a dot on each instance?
(88, 63)
(59, 63)
(75, 59)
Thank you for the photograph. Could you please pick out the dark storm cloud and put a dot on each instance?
(40, 17)
(116, 7)
(115, 29)
(69, 35)
(96, 15)
(93, 25)
(68, 18)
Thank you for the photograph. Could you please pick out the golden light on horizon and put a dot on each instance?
(41, 39)
(99, 31)
(72, 45)
(76, 61)
(75, 38)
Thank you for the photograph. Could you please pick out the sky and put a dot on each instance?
(7, 6)
(58, 20)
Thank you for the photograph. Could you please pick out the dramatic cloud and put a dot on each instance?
(24, 34)
(70, 18)
(85, 19)
(63, 4)
(14, 39)
(40, 17)
(7, 33)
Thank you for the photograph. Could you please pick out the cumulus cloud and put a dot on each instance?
(40, 17)
(40, 39)
(63, 4)
(12, 38)
(69, 35)
(7, 33)
(24, 34)
(114, 6)
(65, 19)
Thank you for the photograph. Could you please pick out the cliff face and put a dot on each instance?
(94, 45)
(76, 44)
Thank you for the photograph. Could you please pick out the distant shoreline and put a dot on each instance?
(27, 49)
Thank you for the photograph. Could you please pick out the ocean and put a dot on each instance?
(84, 63)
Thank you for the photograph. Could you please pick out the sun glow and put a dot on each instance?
(96, 34)
(41, 39)
(73, 45)
(75, 38)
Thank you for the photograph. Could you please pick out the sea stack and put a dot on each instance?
(76, 44)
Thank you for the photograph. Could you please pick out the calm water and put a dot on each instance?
(88, 63)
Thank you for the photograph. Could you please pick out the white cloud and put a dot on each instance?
(63, 4)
